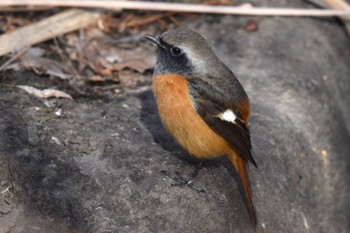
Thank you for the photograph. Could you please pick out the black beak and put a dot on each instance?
(154, 40)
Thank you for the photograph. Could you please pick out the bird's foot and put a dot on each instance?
(182, 182)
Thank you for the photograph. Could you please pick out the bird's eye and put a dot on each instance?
(176, 51)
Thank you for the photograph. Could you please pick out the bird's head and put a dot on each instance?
(184, 52)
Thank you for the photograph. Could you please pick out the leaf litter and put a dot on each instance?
(109, 57)
(46, 93)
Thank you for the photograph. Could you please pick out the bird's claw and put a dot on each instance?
(182, 182)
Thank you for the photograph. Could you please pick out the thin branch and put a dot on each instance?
(178, 7)
(338, 4)
(145, 20)
(14, 58)
(45, 29)
(342, 5)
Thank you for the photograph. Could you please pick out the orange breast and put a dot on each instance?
(180, 118)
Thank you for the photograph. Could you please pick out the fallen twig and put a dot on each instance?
(144, 21)
(342, 5)
(338, 4)
(48, 28)
(25, 8)
(334, 4)
(178, 7)
(13, 58)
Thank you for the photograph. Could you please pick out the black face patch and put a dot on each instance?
(172, 59)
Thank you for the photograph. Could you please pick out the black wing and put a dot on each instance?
(210, 104)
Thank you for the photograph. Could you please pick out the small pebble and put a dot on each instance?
(251, 26)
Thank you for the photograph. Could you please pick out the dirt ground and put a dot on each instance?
(93, 164)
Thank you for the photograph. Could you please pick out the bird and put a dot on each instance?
(202, 104)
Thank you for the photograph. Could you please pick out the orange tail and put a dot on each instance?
(240, 164)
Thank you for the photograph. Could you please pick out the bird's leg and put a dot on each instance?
(181, 181)
(189, 182)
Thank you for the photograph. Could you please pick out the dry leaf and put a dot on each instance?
(46, 93)
(137, 59)
(35, 52)
(140, 65)
(105, 59)
(251, 26)
(41, 66)
(131, 79)
(96, 79)
(100, 79)
(137, 21)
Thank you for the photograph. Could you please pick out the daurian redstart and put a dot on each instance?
(201, 103)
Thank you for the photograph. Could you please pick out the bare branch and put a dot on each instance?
(178, 7)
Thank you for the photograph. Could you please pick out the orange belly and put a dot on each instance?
(180, 118)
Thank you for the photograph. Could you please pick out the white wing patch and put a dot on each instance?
(229, 116)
